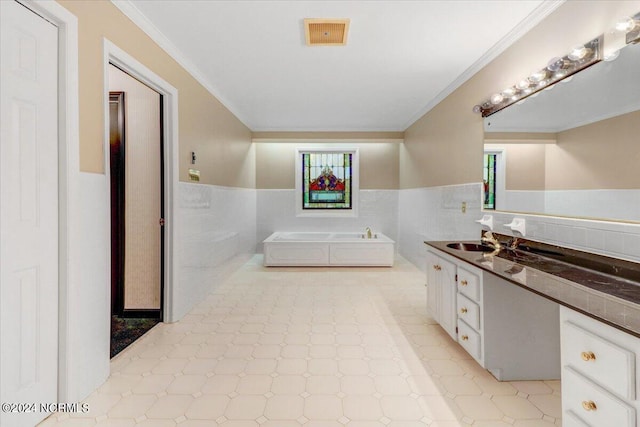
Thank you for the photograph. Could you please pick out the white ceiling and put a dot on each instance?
(401, 56)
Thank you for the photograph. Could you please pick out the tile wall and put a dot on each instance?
(377, 209)
(217, 232)
(434, 214)
(616, 239)
(619, 204)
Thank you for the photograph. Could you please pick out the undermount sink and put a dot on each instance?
(470, 247)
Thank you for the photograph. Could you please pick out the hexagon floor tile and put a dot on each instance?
(310, 347)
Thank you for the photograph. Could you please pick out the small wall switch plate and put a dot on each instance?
(464, 207)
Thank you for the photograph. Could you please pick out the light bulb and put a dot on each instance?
(578, 53)
(523, 84)
(626, 24)
(542, 83)
(555, 64)
(496, 98)
(509, 92)
(538, 76)
(477, 109)
(560, 74)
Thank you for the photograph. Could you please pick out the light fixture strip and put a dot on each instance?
(557, 69)
(633, 36)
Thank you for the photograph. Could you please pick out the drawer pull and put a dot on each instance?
(464, 283)
(589, 405)
(437, 267)
(463, 310)
(587, 356)
(465, 337)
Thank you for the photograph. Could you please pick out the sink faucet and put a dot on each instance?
(368, 230)
(513, 244)
(491, 240)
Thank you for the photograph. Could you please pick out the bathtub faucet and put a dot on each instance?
(368, 230)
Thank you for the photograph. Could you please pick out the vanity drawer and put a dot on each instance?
(469, 339)
(594, 405)
(606, 363)
(570, 419)
(469, 311)
(469, 284)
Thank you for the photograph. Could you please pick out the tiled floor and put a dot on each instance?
(310, 347)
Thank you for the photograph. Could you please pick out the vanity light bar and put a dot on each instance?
(557, 69)
(633, 36)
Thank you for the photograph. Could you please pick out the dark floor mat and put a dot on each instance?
(125, 331)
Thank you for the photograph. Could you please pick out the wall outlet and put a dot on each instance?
(464, 207)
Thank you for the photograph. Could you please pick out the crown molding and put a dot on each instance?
(139, 19)
(533, 19)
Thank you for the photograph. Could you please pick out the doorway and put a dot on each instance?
(137, 208)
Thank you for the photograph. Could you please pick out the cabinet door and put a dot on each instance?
(448, 303)
(441, 292)
(433, 290)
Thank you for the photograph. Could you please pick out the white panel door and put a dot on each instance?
(28, 212)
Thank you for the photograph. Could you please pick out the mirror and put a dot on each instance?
(572, 149)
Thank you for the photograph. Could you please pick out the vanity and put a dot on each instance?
(541, 312)
(565, 160)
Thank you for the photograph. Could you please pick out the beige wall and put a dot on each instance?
(379, 162)
(603, 155)
(444, 146)
(525, 168)
(221, 142)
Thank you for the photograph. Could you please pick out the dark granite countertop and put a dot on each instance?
(604, 288)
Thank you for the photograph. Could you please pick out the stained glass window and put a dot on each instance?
(489, 177)
(326, 180)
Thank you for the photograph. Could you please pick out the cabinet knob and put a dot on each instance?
(587, 356)
(463, 310)
(437, 267)
(465, 337)
(589, 405)
(464, 283)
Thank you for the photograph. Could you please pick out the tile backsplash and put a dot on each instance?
(434, 213)
(615, 239)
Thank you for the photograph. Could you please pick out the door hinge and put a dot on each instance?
(161, 222)
(456, 278)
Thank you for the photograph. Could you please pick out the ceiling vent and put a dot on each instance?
(326, 32)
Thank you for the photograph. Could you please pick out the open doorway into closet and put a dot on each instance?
(137, 208)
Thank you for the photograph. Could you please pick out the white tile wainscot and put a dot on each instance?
(378, 209)
(435, 213)
(217, 232)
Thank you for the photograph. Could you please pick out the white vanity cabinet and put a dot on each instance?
(600, 380)
(508, 330)
(441, 291)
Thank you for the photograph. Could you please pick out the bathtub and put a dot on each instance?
(328, 249)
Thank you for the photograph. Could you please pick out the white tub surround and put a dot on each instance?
(276, 210)
(328, 249)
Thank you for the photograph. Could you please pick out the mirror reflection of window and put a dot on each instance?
(489, 179)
